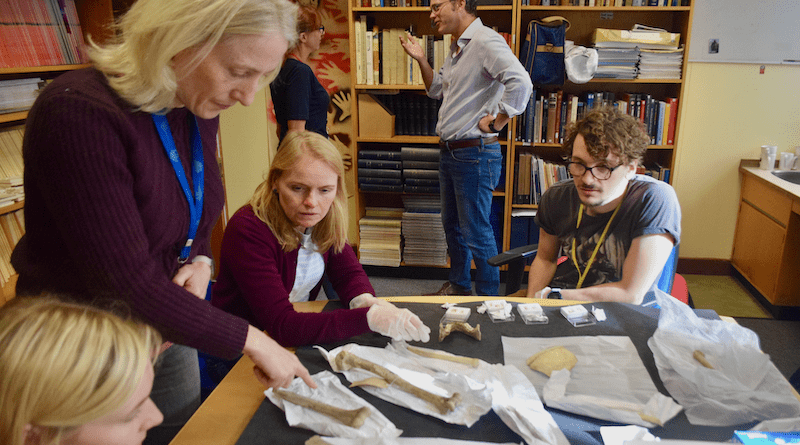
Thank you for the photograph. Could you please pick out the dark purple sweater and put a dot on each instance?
(105, 215)
(256, 277)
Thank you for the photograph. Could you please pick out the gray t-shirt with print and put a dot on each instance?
(650, 207)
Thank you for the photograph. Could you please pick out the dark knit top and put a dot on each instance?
(105, 215)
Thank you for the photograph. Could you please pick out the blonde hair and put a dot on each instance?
(63, 365)
(331, 232)
(137, 62)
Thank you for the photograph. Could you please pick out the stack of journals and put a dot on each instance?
(12, 227)
(616, 63)
(660, 63)
(11, 191)
(420, 169)
(379, 171)
(380, 232)
(40, 33)
(425, 243)
(19, 94)
(11, 152)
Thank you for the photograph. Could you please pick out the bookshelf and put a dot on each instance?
(95, 18)
(513, 18)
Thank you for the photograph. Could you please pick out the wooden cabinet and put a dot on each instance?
(766, 246)
(95, 16)
(514, 18)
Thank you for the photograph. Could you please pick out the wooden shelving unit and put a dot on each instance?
(514, 18)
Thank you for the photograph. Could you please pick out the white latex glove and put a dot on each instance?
(367, 300)
(542, 293)
(399, 324)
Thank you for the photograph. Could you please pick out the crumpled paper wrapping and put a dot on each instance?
(512, 396)
(396, 441)
(331, 391)
(609, 382)
(744, 384)
(475, 397)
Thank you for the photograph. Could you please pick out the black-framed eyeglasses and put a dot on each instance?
(437, 6)
(601, 172)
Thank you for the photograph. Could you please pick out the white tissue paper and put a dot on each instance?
(618, 435)
(514, 399)
(609, 381)
(744, 385)
(331, 391)
(401, 441)
(780, 425)
(498, 387)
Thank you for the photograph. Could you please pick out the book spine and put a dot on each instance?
(673, 117)
(552, 116)
(419, 154)
(379, 173)
(379, 163)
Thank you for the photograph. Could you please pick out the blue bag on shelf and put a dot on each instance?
(542, 51)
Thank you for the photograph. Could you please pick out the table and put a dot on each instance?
(225, 415)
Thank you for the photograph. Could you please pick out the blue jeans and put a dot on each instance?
(467, 177)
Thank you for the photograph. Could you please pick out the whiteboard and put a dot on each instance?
(748, 31)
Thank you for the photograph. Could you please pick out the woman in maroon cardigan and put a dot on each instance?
(107, 217)
(276, 249)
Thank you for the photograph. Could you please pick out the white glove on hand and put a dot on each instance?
(366, 300)
(399, 324)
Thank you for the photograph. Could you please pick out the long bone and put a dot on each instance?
(345, 360)
(351, 417)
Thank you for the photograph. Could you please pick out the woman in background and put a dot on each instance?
(276, 249)
(301, 102)
(122, 187)
(74, 375)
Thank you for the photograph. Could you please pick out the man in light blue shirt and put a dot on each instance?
(482, 85)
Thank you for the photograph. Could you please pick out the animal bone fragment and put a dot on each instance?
(459, 326)
(552, 359)
(700, 357)
(442, 356)
(353, 418)
(372, 381)
(345, 360)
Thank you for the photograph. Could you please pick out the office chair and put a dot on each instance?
(669, 281)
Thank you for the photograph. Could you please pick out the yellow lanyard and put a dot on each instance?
(582, 275)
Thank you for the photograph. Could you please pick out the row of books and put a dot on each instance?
(12, 227)
(409, 170)
(40, 33)
(19, 94)
(379, 232)
(657, 3)
(424, 242)
(381, 59)
(11, 152)
(547, 115)
(534, 175)
(415, 114)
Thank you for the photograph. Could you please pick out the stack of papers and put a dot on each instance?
(617, 63)
(660, 63)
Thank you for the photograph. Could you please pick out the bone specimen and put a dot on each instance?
(441, 356)
(372, 381)
(700, 357)
(552, 359)
(345, 360)
(459, 326)
(353, 418)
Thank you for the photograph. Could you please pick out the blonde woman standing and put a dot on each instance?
(72, 374)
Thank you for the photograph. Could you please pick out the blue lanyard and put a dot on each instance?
(196, 204)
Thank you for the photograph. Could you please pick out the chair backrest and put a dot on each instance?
(667, 276)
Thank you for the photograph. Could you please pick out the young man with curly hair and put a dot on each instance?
(616, 228)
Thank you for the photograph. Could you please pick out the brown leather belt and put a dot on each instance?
(464, 143)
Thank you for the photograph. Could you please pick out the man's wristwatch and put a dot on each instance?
(555, 293)
(491, 127)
